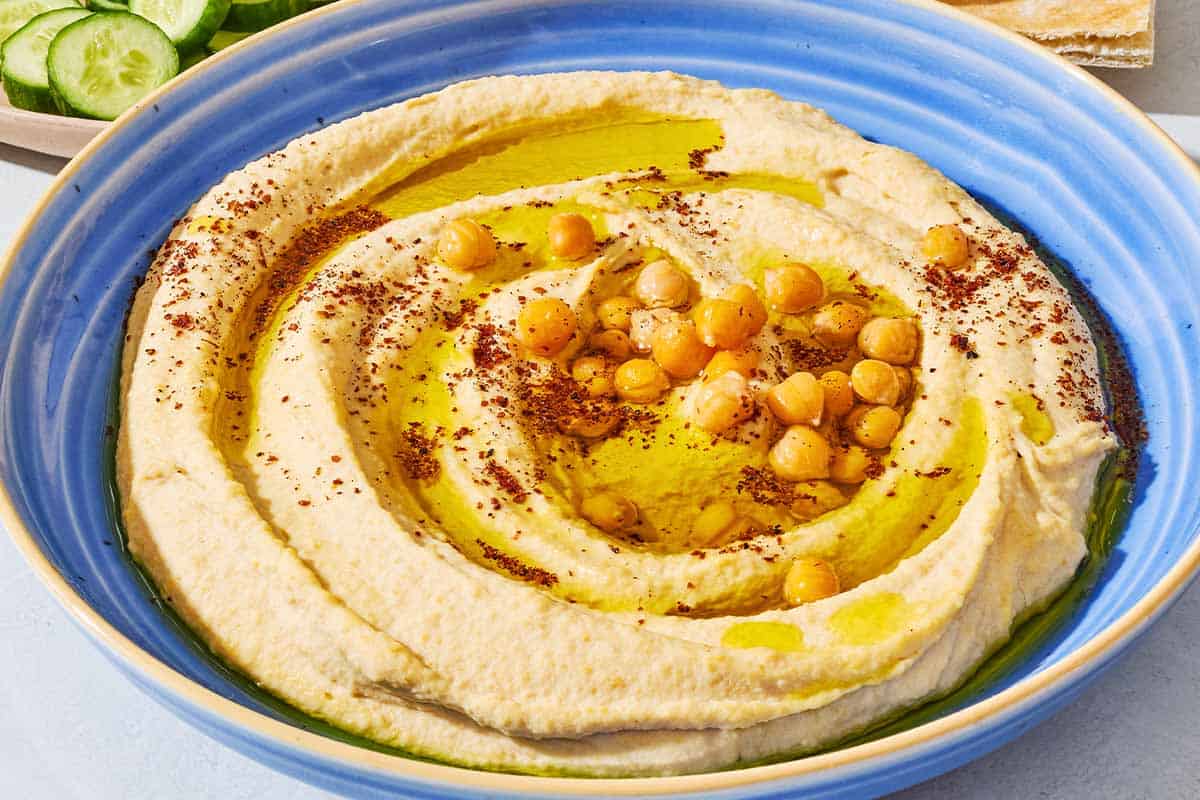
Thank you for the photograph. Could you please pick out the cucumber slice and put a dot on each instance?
(24, 56)
(15, 13)
(107, 5)
(101, 65)
(189, 23)
(223, 39)
(251, 16)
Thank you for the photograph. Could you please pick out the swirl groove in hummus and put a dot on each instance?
(343, 469)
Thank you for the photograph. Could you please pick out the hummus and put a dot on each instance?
(550, 424)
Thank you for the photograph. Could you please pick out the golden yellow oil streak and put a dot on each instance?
(871, 619)
(544, 155)
(1035, 422)
(778, 636)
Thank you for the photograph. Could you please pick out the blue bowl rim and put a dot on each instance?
(1003, 707)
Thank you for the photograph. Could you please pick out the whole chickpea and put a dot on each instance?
(730, 321)
(750, 307)
(946, 246)
(809, 580)
(661, 284)
(874, 426)
(545, 325)
(723, 402)
(719, 323)
(677, 348)
(839, 395)
(887, 339)
(875, 382)
(466, 245)
(801, 455)
(799, 400)
(640, 380)
(570, 236)
(839, 322)
(793, 288)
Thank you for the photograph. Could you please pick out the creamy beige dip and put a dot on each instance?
(345, 464)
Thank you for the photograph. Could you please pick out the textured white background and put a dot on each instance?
(71, 727)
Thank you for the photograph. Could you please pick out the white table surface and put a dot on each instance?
(72, 727)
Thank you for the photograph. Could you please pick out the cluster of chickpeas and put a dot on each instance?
(859, 410)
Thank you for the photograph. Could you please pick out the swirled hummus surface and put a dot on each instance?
(603, 423)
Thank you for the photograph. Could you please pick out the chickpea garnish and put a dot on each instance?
(839, 395)
(889, 339)
(613, 343)
(809, 580)
(849, 465)
(719, 323)
(750, 307)
(466, 245)
(874, 426)
(615, 312)
(799, 400)
(728, 322)
(661, 284)
(719, 522)
(594, 374)
(640, 380)
(677, 348)
(570, 236)
(801, 455)
(546, 325)
(814, 498)
(793, 288)
(741, 361)
(875, 382)
(723, 402)
(839, 322)
(609, 511)
(946, 246)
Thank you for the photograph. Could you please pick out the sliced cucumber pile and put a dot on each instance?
(95, 58)
(24, 58)
(14, 14)
(104, 63)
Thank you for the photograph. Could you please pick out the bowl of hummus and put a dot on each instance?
(592, 430)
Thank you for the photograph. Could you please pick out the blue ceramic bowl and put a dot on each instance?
(1096, 182)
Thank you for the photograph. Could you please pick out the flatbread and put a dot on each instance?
(1110, 33)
